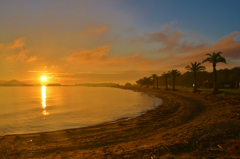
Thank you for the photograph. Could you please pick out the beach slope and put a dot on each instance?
(186, 125)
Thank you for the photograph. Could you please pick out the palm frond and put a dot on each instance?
(207, 60)
(218, 54)
(209, 54)
(221, 59)
(187, 67)
(201, 68)
(198, 64)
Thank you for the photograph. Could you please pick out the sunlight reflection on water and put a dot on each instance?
(44, 105)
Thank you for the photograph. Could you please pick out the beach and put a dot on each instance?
(186, 125)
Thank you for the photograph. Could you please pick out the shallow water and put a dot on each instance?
(46, 108)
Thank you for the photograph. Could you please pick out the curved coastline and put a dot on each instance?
(171, 129)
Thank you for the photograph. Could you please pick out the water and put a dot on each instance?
(41, 109)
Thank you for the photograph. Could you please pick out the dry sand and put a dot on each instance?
(186, 125)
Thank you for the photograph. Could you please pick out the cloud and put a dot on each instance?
(22, 55)
(174, 49)
(98, 30)
(13, 51)
(11, 58)
(19, 43)
(229, 47)
(86, 56)
(183, 52)
(16, 44)
(169, 41)
(174, 22)
(99, 58)
(17, 56)
(31, 59)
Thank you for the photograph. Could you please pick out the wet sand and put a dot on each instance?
(186, 125)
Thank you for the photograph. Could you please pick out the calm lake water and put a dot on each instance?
(46, 108)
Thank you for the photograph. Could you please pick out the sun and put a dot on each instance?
(43, 78)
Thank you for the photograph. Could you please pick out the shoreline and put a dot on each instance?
(186, 124)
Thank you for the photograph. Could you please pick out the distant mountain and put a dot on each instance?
(14, 83)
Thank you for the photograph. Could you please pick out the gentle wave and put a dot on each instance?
(34, 109)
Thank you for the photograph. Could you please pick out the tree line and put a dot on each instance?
(196, 76)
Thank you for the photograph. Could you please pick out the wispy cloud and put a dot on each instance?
(169, 41)
(14, 51)
(98, 30)
(19, 56)
(99, 58)
(31, 59)
(86, 56)
(16, 44)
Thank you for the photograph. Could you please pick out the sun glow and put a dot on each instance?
(43, 78)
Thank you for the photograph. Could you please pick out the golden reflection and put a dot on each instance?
(44, 105)
(44, 97)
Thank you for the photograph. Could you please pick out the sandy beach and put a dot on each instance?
(186, 125)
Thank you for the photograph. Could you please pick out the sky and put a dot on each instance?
(92, 41)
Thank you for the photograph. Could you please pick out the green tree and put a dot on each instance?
(174, 74)
(215, 58)
(195, 67)
(166, 76)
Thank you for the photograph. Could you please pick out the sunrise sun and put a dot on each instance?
(43, 78)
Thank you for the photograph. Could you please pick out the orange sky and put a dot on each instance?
(106, 46)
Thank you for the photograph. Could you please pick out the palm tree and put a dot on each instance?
(195, 67)
(154, 79)
(174, 73)
(214, 59)
(166, 76)
(148, 81)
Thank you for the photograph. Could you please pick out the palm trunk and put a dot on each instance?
(195, 82)
(215, 86)
(157, 82)
(166, 84)
(153, 81)
(173, 83)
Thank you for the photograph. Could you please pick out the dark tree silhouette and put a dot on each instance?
(166, 76)
(174, 74)
(215, 58)
(145, 81)
(154, 76)
(195, 67)
(235, 76)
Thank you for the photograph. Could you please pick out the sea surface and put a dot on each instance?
(50, 108)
